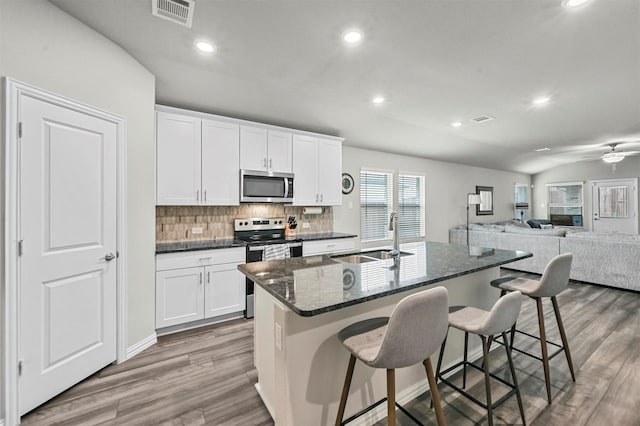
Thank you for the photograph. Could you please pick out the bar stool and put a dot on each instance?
(415, 329)
(554, 280)
(502, 316)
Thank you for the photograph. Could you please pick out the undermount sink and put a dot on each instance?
(367, 256)
(354, 258)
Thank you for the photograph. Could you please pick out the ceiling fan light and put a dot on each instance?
(613, 157)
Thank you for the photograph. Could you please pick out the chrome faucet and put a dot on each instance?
(393, 226)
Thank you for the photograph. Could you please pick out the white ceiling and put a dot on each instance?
(283, 62)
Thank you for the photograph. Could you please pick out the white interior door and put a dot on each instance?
(615, 206)
(67, 269)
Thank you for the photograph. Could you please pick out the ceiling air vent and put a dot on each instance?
(178, 11)
(482, 119)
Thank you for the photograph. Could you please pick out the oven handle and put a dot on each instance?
(289, 245)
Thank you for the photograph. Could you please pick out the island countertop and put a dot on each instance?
(317, 284)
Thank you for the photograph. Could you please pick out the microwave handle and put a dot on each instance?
(286, 187)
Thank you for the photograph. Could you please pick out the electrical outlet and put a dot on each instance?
(196, 231)
(306, 225)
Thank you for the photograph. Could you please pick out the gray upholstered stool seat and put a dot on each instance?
(415, 329)
(554, 280)
(485, 324)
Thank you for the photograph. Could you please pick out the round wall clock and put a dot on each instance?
(347, 183)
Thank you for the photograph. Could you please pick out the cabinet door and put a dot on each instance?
(279, 152)
(224, 290)
(253, 148)
(305, 168)
(220, 163)
(179, 296)
(330, 172)
(178, 159)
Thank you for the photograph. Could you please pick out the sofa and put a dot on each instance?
(601, 258)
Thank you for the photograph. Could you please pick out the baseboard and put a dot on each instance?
(143, 344)
(408, 394)
(265, 401)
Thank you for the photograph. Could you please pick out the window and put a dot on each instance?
(376, 204)
(411, 206)
(565, 204)
(376, 200)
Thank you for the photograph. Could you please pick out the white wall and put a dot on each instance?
(447, 185)
(42, 46)
(580, 172)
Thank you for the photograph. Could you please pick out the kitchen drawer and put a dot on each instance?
(191, 259)
(311, 248)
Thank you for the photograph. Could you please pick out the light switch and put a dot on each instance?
(196, 231)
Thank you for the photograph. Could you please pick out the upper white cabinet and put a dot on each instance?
(317, 166)
(197, 161)
(265, 150)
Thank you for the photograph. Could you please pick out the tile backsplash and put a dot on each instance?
(175, 223)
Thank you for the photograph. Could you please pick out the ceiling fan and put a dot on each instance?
(614, 156)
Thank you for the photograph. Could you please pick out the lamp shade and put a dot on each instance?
(473, 199)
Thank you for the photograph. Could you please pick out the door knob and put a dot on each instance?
(108, 257)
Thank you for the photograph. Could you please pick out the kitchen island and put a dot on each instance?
(302, 303)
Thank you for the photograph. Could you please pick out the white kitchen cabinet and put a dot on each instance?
(179, 296)
(178, 151)
(317, 166)
(334, 245)
(265, 150)
(197, 161)
(196, 285)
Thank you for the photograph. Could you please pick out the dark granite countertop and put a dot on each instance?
(323, 236)
(197, 245)
(229, 243)
(317, 284)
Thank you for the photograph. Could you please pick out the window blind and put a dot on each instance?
(376, 199)
(411, 206)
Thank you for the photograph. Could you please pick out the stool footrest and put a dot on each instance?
(512, 388)
(374, 405)
(529, 354)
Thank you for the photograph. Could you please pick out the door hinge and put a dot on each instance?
(20, 129)
(20, 368)
(20, 248)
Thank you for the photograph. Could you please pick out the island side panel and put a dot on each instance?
(302, 380)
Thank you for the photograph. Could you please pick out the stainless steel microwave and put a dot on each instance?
(265, 187)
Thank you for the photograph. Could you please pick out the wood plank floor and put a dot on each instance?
(206, 376)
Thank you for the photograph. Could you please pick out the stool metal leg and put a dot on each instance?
(435, 393)
(345, 390)
(464, 366)
(391, 397)
(543, 345)
(515, 379)
(565, 342)
(487, 383)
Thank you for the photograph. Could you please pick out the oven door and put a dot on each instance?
(265, 187)
(254, 254)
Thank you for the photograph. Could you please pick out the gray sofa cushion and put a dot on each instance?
(605, 236)
(534, 231)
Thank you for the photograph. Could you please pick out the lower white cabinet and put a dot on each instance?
(192, 286)
(336, 245)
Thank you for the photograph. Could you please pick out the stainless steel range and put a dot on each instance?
(259, 234)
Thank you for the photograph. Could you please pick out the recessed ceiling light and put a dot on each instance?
(543, 149)
(456, 124)
(378, 100)
(205, 47)
(541, 100)
(574, 3)
(352, 36)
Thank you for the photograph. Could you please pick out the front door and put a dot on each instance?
(615, 206)
(67, 268)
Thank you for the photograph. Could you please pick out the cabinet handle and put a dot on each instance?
(270, 163)
(198, 195)
(202, 259)
(200, 275)
(205, 195)
(321, 197)
(316, 197)
(264, 163)
(208, 277)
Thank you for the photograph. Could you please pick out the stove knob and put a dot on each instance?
(246, 223)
